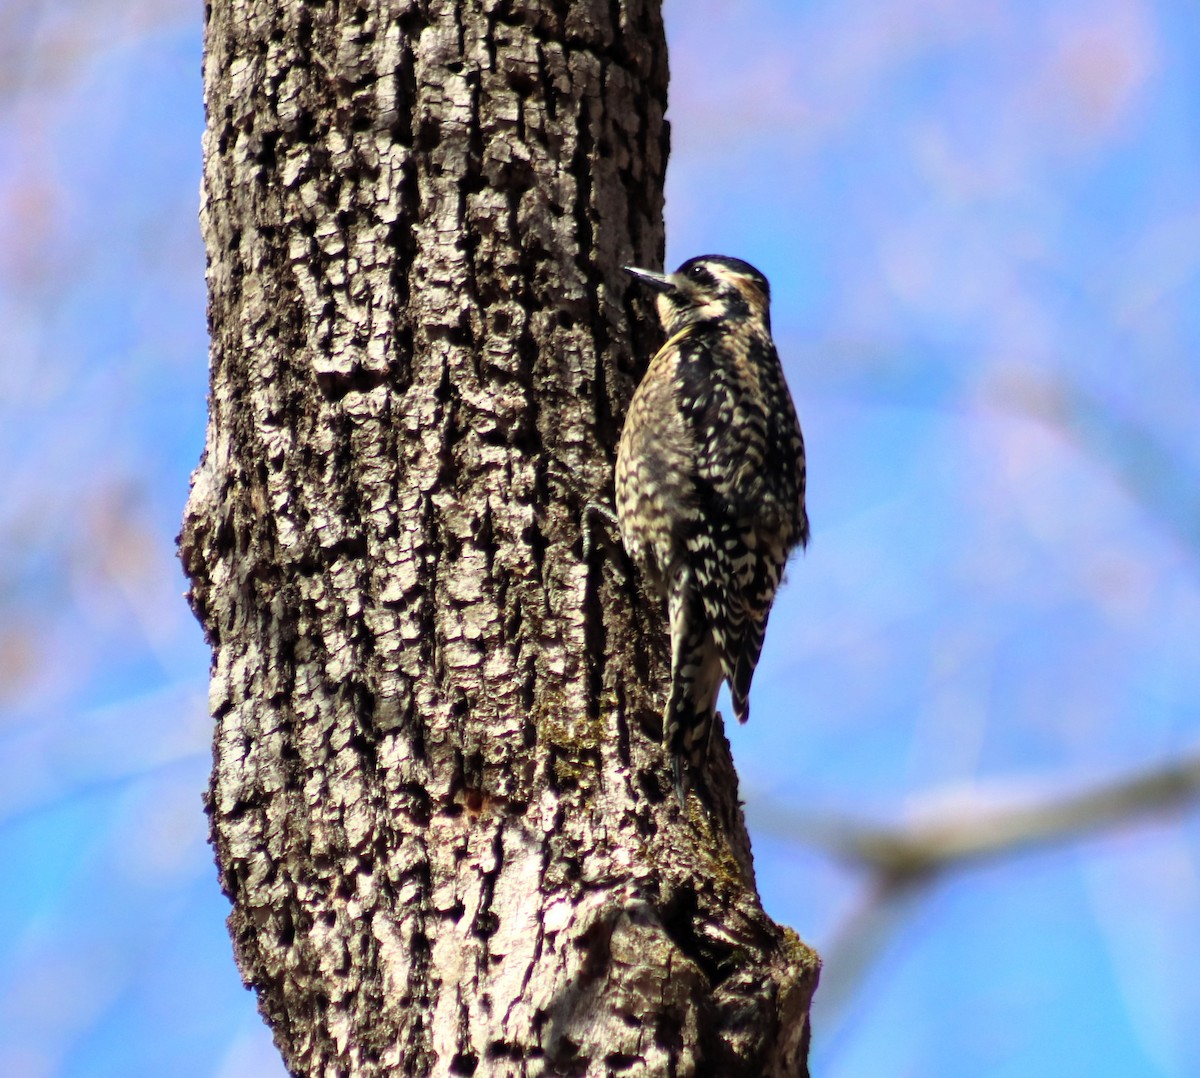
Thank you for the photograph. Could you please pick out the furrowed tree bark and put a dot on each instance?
(438, 802)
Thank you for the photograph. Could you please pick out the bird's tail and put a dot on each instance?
(696, 673)
(753, 634)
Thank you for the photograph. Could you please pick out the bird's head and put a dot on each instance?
(709, 288)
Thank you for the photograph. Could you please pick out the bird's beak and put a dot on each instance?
(660, 282)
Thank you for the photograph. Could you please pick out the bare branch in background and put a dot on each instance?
(904, 861)
(970, 830)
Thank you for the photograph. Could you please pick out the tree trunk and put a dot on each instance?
(438, 801)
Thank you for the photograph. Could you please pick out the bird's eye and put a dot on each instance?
(697, 273)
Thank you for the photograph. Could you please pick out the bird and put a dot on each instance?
(709, 484)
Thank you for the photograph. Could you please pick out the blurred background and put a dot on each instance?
(976, 743)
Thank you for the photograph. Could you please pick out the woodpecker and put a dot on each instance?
(710, 488)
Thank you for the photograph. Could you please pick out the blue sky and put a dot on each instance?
(981, 221)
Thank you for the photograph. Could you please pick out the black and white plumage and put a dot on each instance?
(710, 488)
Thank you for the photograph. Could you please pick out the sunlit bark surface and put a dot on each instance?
(438, 802)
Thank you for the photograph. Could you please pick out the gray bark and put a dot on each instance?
(438, 802)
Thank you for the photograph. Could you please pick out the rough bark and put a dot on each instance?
(438, 802)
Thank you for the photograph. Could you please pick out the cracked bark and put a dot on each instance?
(438, 802)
